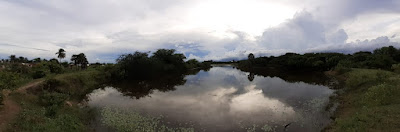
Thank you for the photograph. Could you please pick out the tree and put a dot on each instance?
(61, 54)
(74, 58)
(37, 60)
(21, 59)
(54, 60)
(80, 59)
(13, 58)
(169, 60)
(251, 56)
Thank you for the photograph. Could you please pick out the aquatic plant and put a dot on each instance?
(267, 128)
(129, 121)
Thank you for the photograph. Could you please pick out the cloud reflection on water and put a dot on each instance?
(220, 99)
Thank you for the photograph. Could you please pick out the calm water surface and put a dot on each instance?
(224, 99)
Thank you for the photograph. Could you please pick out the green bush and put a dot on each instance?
(396, 68)
(38, 74)
(55, 68)
(9, 80)
(52, 101)
(52, 84)
(382, 94)
(19, 68)
(341, 69)
(366, 78)
(373, 103)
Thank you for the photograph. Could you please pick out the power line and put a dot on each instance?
(23, 47)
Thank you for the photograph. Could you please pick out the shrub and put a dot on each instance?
(396, 68)
(38, 74)
(366, 78)
(52, 102)
(51, 84)
(382, 94)
(19, 68)
(341, 69)
(55, 68)
(8, 80)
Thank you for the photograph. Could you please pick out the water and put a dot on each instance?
(221, 99)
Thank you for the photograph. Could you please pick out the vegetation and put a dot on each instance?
(80, 60)
(131, 121)
(61, 54)
(54, 105)
(382, 58)
(140, 65)
(369, 102)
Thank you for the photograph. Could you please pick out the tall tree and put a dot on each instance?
(80, 59)
(251, 56)
(61, 54)
(74, 58)
(13, 58)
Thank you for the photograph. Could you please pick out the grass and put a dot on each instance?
(54, 105)
(35, 117)
(10, 81)
(370, 102)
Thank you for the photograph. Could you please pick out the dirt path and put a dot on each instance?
(11, 109)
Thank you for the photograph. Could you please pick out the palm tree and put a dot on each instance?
(61, 54)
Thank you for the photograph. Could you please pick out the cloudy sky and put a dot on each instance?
(201, 29)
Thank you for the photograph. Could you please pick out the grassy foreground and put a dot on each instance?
(370, 101)
(54, 105)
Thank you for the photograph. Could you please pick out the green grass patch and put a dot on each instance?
(46, 109)
(370, 102)
(35, 117)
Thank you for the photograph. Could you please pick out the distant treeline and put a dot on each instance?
(140, 65)
(381, 58)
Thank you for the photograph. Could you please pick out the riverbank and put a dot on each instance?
(369, 101)
(53, 104)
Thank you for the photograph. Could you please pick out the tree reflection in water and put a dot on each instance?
(250, 76)
(142, 88)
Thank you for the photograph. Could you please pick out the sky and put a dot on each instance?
(200, 29)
